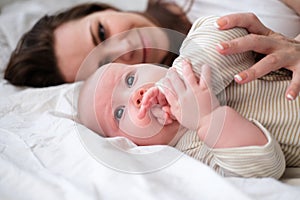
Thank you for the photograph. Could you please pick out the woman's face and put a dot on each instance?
(128, 37)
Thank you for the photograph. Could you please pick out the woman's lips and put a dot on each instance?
(144, 47)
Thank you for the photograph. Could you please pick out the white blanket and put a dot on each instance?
(46, 154)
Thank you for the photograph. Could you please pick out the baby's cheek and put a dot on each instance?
(133, 117)
(134, 127)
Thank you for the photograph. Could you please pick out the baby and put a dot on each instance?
(153, 105)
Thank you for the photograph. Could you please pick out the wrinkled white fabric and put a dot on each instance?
(42, 155)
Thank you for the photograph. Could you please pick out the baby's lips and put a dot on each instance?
(161, 114)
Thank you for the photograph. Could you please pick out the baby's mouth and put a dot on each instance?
(161, 114)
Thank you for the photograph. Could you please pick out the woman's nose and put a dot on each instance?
(137, 97)
(121, 49)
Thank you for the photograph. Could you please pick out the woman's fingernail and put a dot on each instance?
(220, 23)
(222, 46)
(216, 25)
(241, 76)
(238, 77)
(290, 97)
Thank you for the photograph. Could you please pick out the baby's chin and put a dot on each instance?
(146, 127)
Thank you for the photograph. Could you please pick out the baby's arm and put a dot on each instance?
(196, 108)
(226, 141)
(226, 128)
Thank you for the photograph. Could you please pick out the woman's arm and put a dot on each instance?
(280, 51)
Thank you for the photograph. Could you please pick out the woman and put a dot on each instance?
(43, 65)
(52, 51)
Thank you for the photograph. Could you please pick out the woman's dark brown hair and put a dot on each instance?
(33, 62)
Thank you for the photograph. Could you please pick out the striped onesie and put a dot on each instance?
(261, 101)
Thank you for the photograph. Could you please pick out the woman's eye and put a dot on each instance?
(119, 113)
(101, 32)
(130, 80)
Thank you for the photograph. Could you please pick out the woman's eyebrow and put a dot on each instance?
(93, 36)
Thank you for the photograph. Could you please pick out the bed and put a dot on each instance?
(46, 154)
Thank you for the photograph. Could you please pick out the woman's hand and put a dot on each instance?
(280, 51)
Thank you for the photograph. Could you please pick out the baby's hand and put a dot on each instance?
(190, 100)
(162, 114)
(155, 102)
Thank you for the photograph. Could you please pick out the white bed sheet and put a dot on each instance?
(45, 154)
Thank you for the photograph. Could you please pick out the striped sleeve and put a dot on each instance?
(250, 161)
(200, 48)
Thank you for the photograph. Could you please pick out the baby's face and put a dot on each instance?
(109, 102)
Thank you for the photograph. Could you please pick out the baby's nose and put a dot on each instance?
(138, 97)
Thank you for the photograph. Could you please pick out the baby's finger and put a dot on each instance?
(171, 97)
(188, 73)
(161, 99)
(167, 110)
(205, 80)
(165, 84)
(149, 95)
(142, 112)
(176, 82)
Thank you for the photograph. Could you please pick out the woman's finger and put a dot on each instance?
(244, 20)
(269, 63)
(294, 88)
(267, 44)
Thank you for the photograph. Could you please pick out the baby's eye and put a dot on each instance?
(119, 113)
(101, 32)
(130, 80)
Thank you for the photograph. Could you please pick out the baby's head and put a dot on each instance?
(109, 102)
